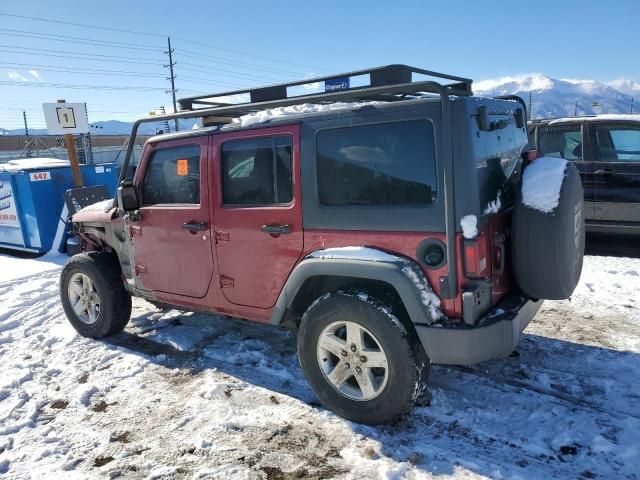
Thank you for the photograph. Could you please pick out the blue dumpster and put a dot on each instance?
(32, 199)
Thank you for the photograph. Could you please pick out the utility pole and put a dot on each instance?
(28, 141)
(172, 78)
(530, 107)
(88, 152)
(575, 110)
(631, 104)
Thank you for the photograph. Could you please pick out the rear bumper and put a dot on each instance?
(494, 336)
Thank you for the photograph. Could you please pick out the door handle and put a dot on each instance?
(606, 171)
(276, 229)
(194, 227)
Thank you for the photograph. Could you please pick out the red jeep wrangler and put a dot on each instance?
(388, 223)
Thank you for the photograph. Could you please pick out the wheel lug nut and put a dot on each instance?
(347, 366)
(358, 370)
(343, 353)
(353, 347)
(363, 359)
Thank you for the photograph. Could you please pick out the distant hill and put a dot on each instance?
(552, 97)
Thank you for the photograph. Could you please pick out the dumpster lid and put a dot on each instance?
(32, 164)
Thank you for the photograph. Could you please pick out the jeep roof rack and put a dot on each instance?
(387, 83)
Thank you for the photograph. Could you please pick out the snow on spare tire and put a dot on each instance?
(548, 229)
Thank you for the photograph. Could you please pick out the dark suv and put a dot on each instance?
(384, 222)
(606, 151)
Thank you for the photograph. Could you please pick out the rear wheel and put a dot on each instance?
(93, 295)
(360, 361)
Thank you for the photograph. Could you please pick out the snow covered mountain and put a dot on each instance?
(551, 97)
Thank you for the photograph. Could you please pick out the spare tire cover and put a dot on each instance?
(548, 248)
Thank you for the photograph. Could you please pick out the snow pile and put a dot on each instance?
(494, 206)
(429, 299)
(12, 268)
(104, 206)
(293, 110)
(633, 117)
(32, 164)
(356, 253)
(541, 183)
(231, 401)
(469, 225)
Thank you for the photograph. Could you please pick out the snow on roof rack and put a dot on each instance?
(387, 83)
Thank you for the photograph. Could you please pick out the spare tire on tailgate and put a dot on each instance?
(548, 229)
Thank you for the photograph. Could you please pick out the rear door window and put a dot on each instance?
(381, 164)
(257, 171)
(618, 143)
(172, 176)
(561, 142)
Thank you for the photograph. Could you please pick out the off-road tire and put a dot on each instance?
(408, 365)
(115, 302)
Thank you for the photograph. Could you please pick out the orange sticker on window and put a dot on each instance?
(182, 167)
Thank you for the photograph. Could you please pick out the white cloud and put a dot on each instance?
(17, 77)
(35, 74)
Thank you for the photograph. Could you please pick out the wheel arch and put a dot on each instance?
(314, 277)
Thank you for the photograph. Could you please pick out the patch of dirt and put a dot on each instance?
(59, 404)
(569, 449)
(124, 437)
(274, 473)
(100, 407)
(83, 378)
(101, 461)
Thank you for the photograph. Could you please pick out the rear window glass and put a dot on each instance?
(561, 142)
(257, 171)
(381, 164)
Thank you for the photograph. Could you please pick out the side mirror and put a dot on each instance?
(128, 196)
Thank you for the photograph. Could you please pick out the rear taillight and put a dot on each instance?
(475, 262)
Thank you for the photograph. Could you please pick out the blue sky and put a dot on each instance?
(222, 45)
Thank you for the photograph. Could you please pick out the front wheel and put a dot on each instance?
(93, 295)
(360, 361)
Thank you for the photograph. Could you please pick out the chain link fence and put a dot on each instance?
(90, 148)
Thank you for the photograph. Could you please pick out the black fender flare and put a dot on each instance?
(394, 273)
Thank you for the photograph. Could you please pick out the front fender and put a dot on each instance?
(404, 275)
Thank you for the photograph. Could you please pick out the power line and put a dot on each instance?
(74, 53)
(79, 87)
(69, 39)
(197, 56)
(224, 73)
(247, 54)
(87, 71)
(81, 25)
(137, 62)
(98, 27)
(199, 69)
(206, 81)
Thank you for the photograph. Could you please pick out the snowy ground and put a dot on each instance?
(181, 395)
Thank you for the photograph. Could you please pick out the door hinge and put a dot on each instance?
(222, 236)
(226, 282)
